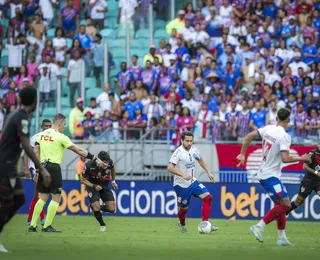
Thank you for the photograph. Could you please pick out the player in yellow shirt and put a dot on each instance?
(50, 147)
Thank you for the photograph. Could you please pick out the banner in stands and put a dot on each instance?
(137, 198)
(227, 154)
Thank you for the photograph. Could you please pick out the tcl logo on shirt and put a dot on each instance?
(46, 138)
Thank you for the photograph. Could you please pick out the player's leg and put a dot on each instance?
(183, 197)
(109, 202)
(94, 197)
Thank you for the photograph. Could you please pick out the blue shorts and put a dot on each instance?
(275, 188)
(184, 194)
(69, 27)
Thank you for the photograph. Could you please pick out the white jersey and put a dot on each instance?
(185, 162)
(274, 141)
(33, 144)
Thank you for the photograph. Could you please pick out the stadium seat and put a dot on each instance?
(116, 44)
(140, 44)
(121, 33)
(65, 102)
(139, 52)
(90, 82)
(83, 22)
(120, 52)
(95, 92)
(49, 112)
(142, 33)
(110, 22)
(66, 111)
(106, 32)
(69, 43)
(159, 24)
(161, 34)
(113, 6)
(63, 72)
(4, 52)
(4, 61)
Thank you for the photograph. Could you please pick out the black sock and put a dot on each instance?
(104, 208)
(293, 207)
(6, 212)
(98, 216)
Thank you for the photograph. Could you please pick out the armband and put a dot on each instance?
(90, 156)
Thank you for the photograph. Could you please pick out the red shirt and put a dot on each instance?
(178, 97)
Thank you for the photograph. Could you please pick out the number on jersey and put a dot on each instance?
(266, 147)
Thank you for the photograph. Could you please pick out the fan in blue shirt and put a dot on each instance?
(132, 105)
(84, 38)
(258, 119)
(309, 51)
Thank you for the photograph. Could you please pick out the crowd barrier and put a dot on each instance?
(158, 199)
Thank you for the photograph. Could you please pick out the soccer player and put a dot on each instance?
(311, 181)
(182, 165)
(50, 147)
(46, 124)
(15, 136)
(96, 178)
(275, 151)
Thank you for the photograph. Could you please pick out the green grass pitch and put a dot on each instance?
(154, 239)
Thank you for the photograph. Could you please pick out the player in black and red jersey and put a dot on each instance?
(96, 178)
(311, 181)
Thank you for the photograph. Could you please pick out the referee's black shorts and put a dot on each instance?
(55, 186)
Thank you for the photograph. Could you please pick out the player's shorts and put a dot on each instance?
(55, 186)
(10, 183)
(184, 194)
(104, 194)
(275, 188)
(309, 184)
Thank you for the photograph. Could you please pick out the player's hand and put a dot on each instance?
(46, 176)
(35, 178)
(187, 177)
(240, 158)
(98, 188)
(211, 177)
(115, 185)
(306, 158)
(27, 173)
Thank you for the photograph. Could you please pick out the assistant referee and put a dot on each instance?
(50, 147)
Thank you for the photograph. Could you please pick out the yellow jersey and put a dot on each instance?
(52, 144)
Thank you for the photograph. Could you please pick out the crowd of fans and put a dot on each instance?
(225, 70)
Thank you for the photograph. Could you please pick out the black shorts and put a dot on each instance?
(10, 187)
(104, 194)
(55, 186)
(97, 71)
(309, 184)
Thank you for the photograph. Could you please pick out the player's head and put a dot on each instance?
(283, 116)
(59, 122)
(46, 124)
(105, 157)
(28, 98)
(187, 140)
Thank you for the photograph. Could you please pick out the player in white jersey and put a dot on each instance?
(182, 165)
(29, 167)
(275, 151)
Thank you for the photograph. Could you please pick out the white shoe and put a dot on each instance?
(257, 231)
(284, 242)
(183, 228)
(2, 249)
(103, 228)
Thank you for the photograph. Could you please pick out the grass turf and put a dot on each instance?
(155, 239)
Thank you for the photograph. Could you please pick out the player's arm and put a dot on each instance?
(307, 169)
(287, 158)
(247, 141)
(204, 166)
(37, 150)
(87, 183)
(171, 168)
(113, 178)
(26, 165)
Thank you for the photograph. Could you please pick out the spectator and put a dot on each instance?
(164, 82)
(168, 56)
(242, 124)
(124, 119)
(189, 102)
(132, 105)
(297, 63)
(135, 69)
(17, 25)
(12, 96)
(29, 9)
(138, 90)
(271, 117)
(15, 5)
(151, 55)
(162, 50)
(200, 36)
(103, 99)
(97, 50)
(309, 51)
(48, 50)
(153, 110)
(313, 125)
(300, 119)
(5, 79)
(74, 81)
(115, 113)
(93, 108)
(44, 87)
(202, 121)
(258, 119)
(123, 79)
(127, 9)
(15, 55)
(97, 14)
(90, 29)
(149, 77)
(157, 67)
(176, 23)
(230, 120)
(187, 31)
(69, 18)
(271, 76)
(38, 28)
(152, 126)
(145, 97)
(32, 67)
(139, 121)
(2, 115)
(22, 75)
(46, 8)
(89, 125)
(59, 44)
(217, 128)
(76, 46)
(185, 121)
(75, 118)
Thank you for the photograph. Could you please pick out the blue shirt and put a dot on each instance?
(98, 54)
(259, 118)
(312, 49)
(270, 11)
(85, 40)
(131, 107)
(231, 79)
(30, 10)
(212, 31)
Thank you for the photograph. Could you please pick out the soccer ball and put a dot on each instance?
(205, 227)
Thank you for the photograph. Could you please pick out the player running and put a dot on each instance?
(96, 178)
(182, 165)
(275, 151)
(46, 124)
(311, 181)
(15, 136)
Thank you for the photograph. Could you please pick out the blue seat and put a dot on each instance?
(161, 34)
(142, 33)
(120, 52)
(49, 112)
(4, 52)
(4, 61)
(106, 32)
(139, 52)
(95, 92)
(110, 22)
(118, 43)
(69, 43)
(159, 24)
(65, 102)
(90, 82)
(140, 44)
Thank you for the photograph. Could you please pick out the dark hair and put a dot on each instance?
(99, 36)
(58, 117)
(300, 103)
(93, 98)
(111, 94)
(104, 156)
(136, 56)
(283, 114)
(46, 121)
(59, 29)
(184, 134)
(154, 119)
(28, 96)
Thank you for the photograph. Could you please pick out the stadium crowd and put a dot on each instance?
(225, 69)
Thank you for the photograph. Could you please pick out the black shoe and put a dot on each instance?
(51, 230)
(32, 229)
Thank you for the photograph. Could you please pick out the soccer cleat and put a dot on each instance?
(50, 229)
(28, 223)
(213, 228)
(2, 249)
(43, 221)
(32, 229)
(103, 228)
(257, 231)
(183, 228)
(284, 242)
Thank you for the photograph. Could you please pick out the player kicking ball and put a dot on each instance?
(275, 151)
(311, 181)
(96, 178)
(182, 165)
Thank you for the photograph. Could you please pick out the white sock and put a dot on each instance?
(261, 224)
(2, 249)
(282, 234)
